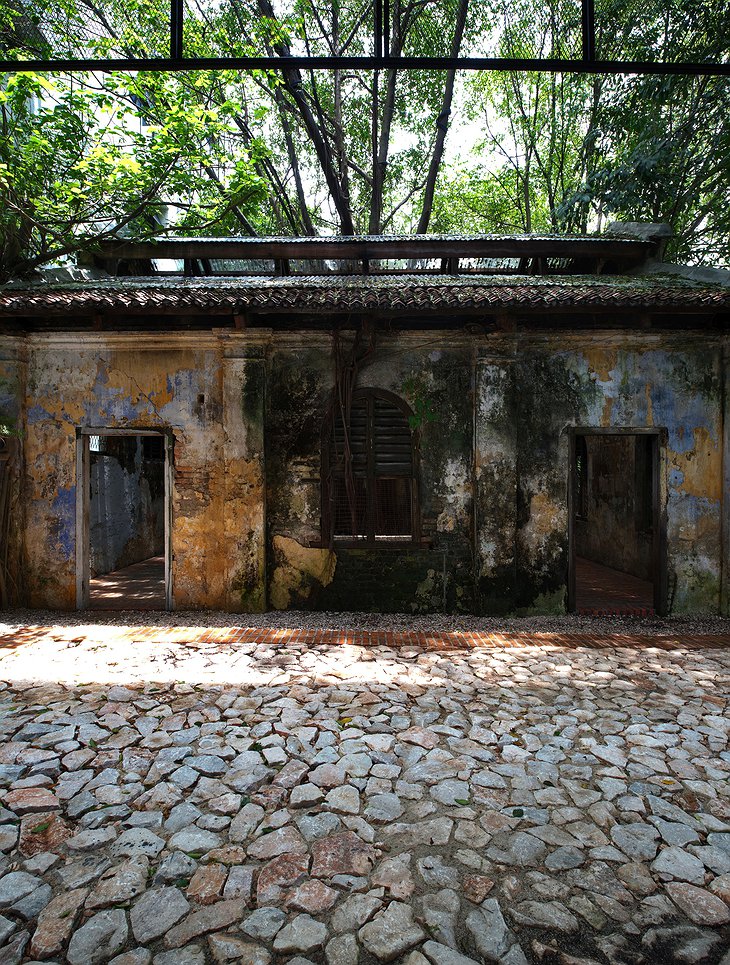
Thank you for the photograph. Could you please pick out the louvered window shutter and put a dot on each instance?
(382, 467)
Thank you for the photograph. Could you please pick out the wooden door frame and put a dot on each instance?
(83, 499)
(659, 507)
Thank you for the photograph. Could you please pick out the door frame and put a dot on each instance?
(659, 506)
(83, 499)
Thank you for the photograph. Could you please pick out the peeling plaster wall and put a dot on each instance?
(725, 529)
(204, 389)
(246, 409)
(647, 380)
(13, 373)
(435, 575)
(495, 479)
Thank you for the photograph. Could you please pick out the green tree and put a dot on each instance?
(79, 162)
(302, 152)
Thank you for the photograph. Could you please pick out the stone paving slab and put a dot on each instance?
(174, 796)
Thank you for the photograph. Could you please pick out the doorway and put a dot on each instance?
(123, 507)
(616, 527)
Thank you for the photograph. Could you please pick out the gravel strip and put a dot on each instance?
(431, 622)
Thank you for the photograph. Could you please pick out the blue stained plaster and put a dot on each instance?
(36, 413)
(681, 415)
(8, 400)
(673, 407)
(679, 410)
(64, 510)
(102, 376)
(115, 407)
(175, 381)
(112, 404)
(183, 386)
(690, 510)
(676, 478)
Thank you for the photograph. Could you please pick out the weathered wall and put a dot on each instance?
(437, 574)
(725, 530)
(126, 507)
(495, 478)
(12, 390)
(207, 390)
(611, 533)
(493, 462)
(621, 381)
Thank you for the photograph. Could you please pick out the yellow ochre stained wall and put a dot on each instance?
(193, 386)
(623, 380)
(208, 389)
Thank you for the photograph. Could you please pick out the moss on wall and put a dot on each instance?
(246, 412)
(408, 581)
(301, 377)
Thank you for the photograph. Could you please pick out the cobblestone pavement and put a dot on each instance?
(181, 797)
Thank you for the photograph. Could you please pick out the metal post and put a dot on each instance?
(378, 36)
(589, 30)
(177, 14)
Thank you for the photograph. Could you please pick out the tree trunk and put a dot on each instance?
(293, 85)
(442, 123)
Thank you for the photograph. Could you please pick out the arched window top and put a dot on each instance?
(377, 499)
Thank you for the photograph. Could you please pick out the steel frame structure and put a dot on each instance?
(381, 57)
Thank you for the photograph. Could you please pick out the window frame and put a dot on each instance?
(370, 540)
(581, 469)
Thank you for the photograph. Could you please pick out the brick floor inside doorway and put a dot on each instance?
(602, 591)
(140, 586)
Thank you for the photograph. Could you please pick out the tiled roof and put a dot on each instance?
(358, 293)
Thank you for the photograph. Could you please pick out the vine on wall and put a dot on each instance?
(415, 391)
(348, 360)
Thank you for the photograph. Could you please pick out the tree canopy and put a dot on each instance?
(295, 152)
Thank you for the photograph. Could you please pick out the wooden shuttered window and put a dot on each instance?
(382, 459)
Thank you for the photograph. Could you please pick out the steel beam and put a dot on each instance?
(379, 60)
(368, 63)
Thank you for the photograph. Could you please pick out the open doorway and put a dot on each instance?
(123, 558)
(616, 527)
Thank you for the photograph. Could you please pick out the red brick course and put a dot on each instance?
(374, 639)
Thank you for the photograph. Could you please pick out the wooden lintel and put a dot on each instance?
(380, 247)
(505, 323)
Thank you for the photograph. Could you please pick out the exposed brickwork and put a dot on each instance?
(434, 640)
